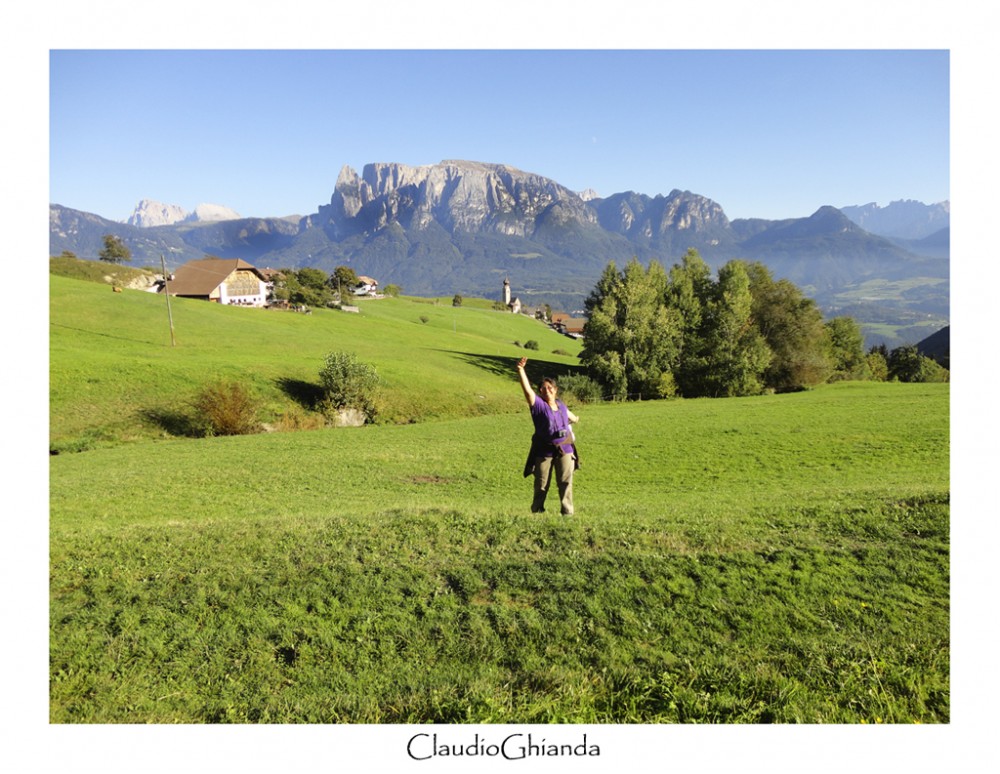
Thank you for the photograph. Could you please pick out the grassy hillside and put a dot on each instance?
(774, 559)
(99, 271)
(114, 375)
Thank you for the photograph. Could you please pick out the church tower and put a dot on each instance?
(506, 291)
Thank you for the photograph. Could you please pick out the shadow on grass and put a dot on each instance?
(106, 335)
(306, 394)
(174, 422)
(507, 366)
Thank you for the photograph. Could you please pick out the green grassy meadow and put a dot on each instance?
(779, 559)
(114, 375)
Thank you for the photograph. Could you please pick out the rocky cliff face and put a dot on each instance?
(667, 224)
(635, 214)
(474, 197)
(460, 196)
(480, 198)
(149, 213)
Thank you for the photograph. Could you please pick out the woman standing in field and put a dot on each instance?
(553, 447)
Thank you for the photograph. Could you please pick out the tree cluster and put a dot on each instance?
(653, 333)
(314, 287)
(904, 364)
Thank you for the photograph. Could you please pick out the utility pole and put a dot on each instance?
(166, 292)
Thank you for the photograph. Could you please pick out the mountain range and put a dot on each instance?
(905, 219)
(149, 213)
(463, 226)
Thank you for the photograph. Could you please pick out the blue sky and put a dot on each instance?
(765, 133)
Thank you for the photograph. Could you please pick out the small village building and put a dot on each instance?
(572, 326)
(366, 286)
(222, 280)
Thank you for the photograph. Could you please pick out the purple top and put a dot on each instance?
(551, 426)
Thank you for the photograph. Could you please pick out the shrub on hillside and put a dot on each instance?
(348, 384)
(226, 407)
(531, 344)
(580, 387)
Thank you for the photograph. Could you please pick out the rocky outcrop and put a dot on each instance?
(466, 196)
(149, 213)
(633, 214)
(478, 198)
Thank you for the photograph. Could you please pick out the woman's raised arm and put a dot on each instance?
(529, 394)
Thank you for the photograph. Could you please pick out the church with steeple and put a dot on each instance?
(515, 304)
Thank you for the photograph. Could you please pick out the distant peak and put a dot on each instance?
(149, 213)
(209, 213)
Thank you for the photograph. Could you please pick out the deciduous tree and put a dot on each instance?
(737, 354)
(878, 367)
(114, 250)
(689, 291)
(306, 286)
(344, 279)
(845, 347)
(631, 338)
(877, 361)
(792, 326)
